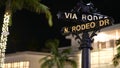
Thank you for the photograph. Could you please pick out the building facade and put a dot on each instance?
(104, 47)
(27, 59)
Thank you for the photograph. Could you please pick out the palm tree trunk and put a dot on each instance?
(3, 38)
(4, 34)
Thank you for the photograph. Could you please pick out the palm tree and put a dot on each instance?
(59, 59)
(10, 7)
(116, 59)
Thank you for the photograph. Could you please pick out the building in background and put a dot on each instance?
(27, 59)
(104, 47)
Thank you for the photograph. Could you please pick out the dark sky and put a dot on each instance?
(30, 30)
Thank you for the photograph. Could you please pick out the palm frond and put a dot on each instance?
(44, 58)
(115, 63)
(71, 62)
(116, 59)
(49, 17)
(53, 45)
(32, 5)
(118, 49)
(47, 64)
(66, 51)
(118, 42)
(36, 6)
(59, 58)
(17, 4)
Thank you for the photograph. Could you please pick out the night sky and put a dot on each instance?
(30, 30)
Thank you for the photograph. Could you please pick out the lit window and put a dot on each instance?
(21, 64)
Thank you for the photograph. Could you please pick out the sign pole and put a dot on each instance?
(85, 46)
(85, 58)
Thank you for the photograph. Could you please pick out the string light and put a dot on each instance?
(3, 38)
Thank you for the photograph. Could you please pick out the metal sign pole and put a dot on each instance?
(85, 47)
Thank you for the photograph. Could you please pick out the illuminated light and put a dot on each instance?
(5, 33)
(3, 38)
(106, 36)
(79, 60)
(117, 35)
(102, 37)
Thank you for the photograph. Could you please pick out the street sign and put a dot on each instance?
(83, 18)
(88, 26)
